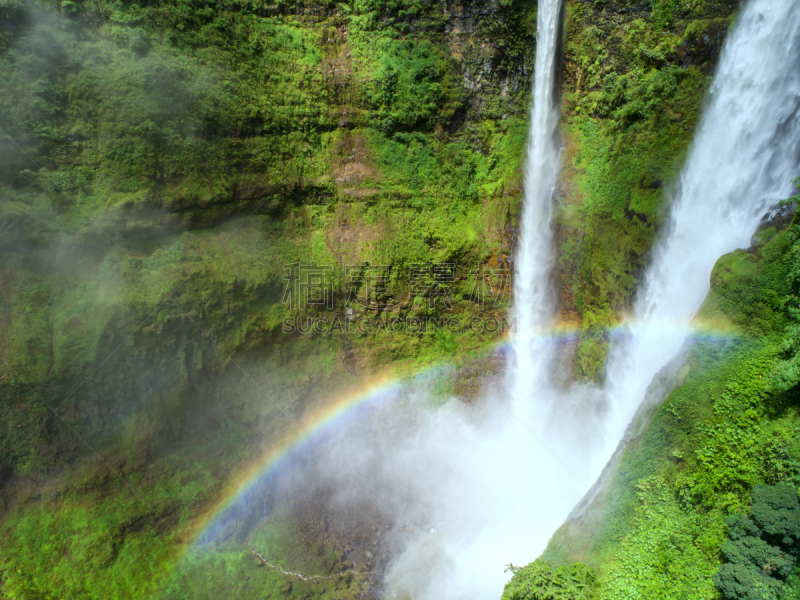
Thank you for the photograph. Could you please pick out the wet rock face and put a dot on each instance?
(484, 61)
(703, 47)
(491, 47)
(777, 218)
(635, 73)
(702, 34)
(465, 17)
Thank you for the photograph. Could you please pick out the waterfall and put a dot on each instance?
(533, 297)
(505, 488)
(498, 483)
(745, 154)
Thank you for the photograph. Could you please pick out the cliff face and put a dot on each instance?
(165, 165)
(635, 76)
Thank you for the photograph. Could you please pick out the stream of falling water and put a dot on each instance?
(511, 478)
(469, 489)
(533, 295)
(745, 155)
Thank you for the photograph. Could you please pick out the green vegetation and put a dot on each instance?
(632, 100)
(755, 567)
(160, 164)
(538, 581)
(84, 542)
(162, 161)
(272, 563)
(673, 520)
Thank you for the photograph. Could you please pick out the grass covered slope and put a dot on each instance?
(666, 520)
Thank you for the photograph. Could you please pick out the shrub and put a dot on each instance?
(538, 581)
(777, 511)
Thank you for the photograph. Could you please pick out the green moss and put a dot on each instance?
(214, 571)
(630, 113)
(274, 559)
(658, 524)
(277, 539)
(87, 543)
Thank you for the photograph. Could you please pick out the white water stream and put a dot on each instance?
(533, 294)
(745, 154)
(512, 474)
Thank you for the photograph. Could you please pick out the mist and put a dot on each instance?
(464, 489)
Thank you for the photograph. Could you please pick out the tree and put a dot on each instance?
(777, 511)
(746, 582)
(761, 550)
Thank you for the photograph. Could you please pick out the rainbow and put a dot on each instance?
(379, 389)
(302, 432)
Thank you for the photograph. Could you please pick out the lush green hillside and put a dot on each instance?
(722, 447)
(635, 77)
(162, 162)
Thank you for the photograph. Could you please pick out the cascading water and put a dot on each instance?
(532, 291)
(509, 495)
(508, 487)
(744, 156)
